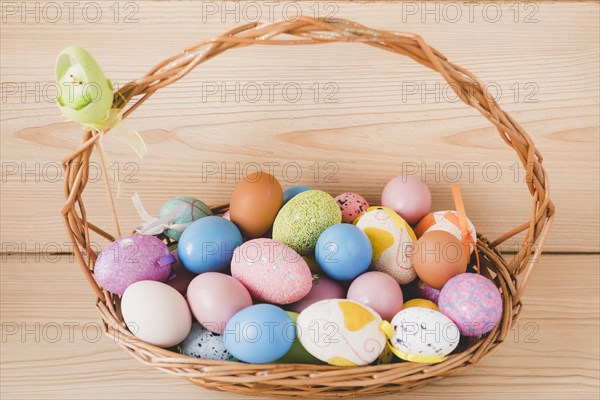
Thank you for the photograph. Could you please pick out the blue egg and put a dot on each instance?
(259, 334)
(292, 191)
(207, 245)
(344, 252)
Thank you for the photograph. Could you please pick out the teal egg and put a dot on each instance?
(194, 210)
(302, 220)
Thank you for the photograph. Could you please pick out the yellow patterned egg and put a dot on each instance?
(392, 239)
(341, 332)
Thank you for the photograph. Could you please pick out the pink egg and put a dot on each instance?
(408, 196)
(271, 271)
(352, 206)
(472, 302)
(226, 216)
(323, 288)
(379, 291)
(132, 259)
(180, 276)
(215, 297)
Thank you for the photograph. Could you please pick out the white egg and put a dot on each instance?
(422, 332)
(202, 343)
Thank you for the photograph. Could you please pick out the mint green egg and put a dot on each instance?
(298, 354)
(193, 210)
(302, 220)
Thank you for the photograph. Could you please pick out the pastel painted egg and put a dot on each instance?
(202, 343)
(407, 196)
(446, 221)
(341, 332)
(421, 303)
(438, 256)
(227, 216)
(292, 191)
(271, 271)
(156, 313)
(424, 291)
(297, 353)
(207, 245)
(180, 277)
(473, 302)
(352, 206)
(323, 288)
(183, 210)
(254, 204)
(343, 252)
(259, 334)
(423, 335)
(302, 220)
(392, 240)
(131, 259)
(379, 291)
(215, 297)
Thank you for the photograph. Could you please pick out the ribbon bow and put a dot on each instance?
(156, 226)
(85, 96)
(462, 224)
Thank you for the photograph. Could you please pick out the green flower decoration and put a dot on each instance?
(85, 95)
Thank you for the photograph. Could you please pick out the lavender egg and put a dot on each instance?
(131, 259)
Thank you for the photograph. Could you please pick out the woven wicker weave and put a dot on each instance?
(279, 380)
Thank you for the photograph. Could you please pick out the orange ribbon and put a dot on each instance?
(462, 224)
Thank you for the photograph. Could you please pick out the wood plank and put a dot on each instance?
(553, 353)
(377, 127)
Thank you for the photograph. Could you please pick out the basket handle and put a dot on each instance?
(318, 31)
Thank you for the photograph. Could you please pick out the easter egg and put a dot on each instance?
(343, 252)
(438, 256)
(446, 221)
(392, 240)
(323, 288)
(352, 206)
(341, 332)
(424, 291)
(180, 277)
(131, 259)
(423, 303)
(202, 343)
(156, 313)
(379, 291)
(255, 203)
(226, 216)
(297, 353)
(423, 335)
(473, 302)
(259, 334)
(291, 191)
(271, 271)
(186, 210)
(300, 222)
(208, 244)
(407, 196)
(215, 297)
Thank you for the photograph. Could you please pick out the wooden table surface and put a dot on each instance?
(361, 117)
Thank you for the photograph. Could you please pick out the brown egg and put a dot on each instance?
(439, 256)
(255, 203)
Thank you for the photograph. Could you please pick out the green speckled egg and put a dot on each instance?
(194, 210)
(303, 218)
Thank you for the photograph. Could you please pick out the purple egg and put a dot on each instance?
(131, 259)
(472, 302)
(323, 288)
(424, 291)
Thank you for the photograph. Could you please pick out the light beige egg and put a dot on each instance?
(156, 313)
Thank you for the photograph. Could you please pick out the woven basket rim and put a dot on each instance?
(300, 380)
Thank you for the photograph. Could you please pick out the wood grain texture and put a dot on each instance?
(389, 114)
(553, 353)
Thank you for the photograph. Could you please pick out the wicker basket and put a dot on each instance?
(277, 380)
